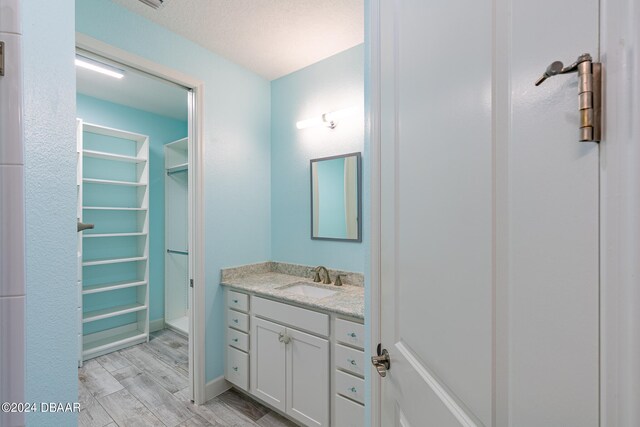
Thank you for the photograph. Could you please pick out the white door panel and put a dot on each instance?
(553, 223)
(489, 215)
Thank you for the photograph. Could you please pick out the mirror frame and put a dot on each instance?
(358, 156)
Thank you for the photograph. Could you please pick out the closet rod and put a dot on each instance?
(171, 251)
(176, 171)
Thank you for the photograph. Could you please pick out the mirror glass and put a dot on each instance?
(335, 198)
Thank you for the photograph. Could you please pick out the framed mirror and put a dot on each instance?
(336, 198)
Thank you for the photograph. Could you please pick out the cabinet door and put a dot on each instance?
(308, 378)
(268, 362)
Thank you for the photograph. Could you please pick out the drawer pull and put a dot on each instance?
(235, 340)
(352, 335)
(235, 301)
(353, 362)
(353, 390)
(235, 320)
(235, 368)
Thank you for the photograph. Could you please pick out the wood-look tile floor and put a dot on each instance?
(146, 385)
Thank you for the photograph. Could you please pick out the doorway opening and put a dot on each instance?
(139, 189)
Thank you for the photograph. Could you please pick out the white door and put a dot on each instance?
(488, 211)
(268, 362)
(308, 378)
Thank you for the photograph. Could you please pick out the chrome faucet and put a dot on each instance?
(327, 279)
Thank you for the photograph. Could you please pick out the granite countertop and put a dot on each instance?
(348, 299)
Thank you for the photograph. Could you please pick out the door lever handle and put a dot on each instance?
(84, 226)
(382, 361)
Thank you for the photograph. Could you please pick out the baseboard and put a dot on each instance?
(156, 325)
(215, 387)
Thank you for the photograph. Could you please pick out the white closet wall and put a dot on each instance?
(176, 237)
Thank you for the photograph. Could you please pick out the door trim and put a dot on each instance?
(373, 130)
(620, 215)
(196, 154)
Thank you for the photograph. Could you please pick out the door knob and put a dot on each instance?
(83, 226)
(382, 361)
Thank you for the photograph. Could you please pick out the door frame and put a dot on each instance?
(374, 112)
(620, 215)
(619, 185)
(196, 170)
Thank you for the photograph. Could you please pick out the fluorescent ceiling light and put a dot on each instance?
(153, 3)
(98, 67)
(327, 119)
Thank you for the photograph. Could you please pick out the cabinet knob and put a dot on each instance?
(352, 334)
(282, 337)
(235, 320)
(235, 301)
(235, 368)
(353, 362)
(353, 390)
(235, 340)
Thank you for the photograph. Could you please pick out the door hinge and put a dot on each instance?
(191, 283)
(1, 58)
(589, 93)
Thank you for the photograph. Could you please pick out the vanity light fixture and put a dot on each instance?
(327, 119)
(98, 67)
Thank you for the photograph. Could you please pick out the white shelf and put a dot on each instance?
(110, 156)
(113, 261)
(111, 208)
(178, 168)
(92, 316)
(112, 182)
(94, 289)
(132, 152)
(106, 341)
(93, 236)
(180, 325)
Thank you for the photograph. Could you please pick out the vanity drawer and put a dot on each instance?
(238, 339)
(349, 359)
(238, 368)
(350, 386)
(300, 318)
(237, 301)
(350, 333)
(348, 413)
(238, 320)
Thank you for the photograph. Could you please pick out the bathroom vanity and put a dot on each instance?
(296, 345)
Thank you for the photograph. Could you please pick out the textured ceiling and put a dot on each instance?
(270, 37)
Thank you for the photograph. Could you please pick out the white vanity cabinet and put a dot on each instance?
(268, 371)
(286, 360)
(237, 361)
(307, 364)
(348, 375)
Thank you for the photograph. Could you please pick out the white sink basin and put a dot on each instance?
(308, 290)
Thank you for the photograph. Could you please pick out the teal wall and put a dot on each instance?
(161, 130)
(238, 178)
(329, 85)
(50, 179)
(237, 164)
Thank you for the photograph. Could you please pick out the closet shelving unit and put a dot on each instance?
(114, 194)
(176, 236)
